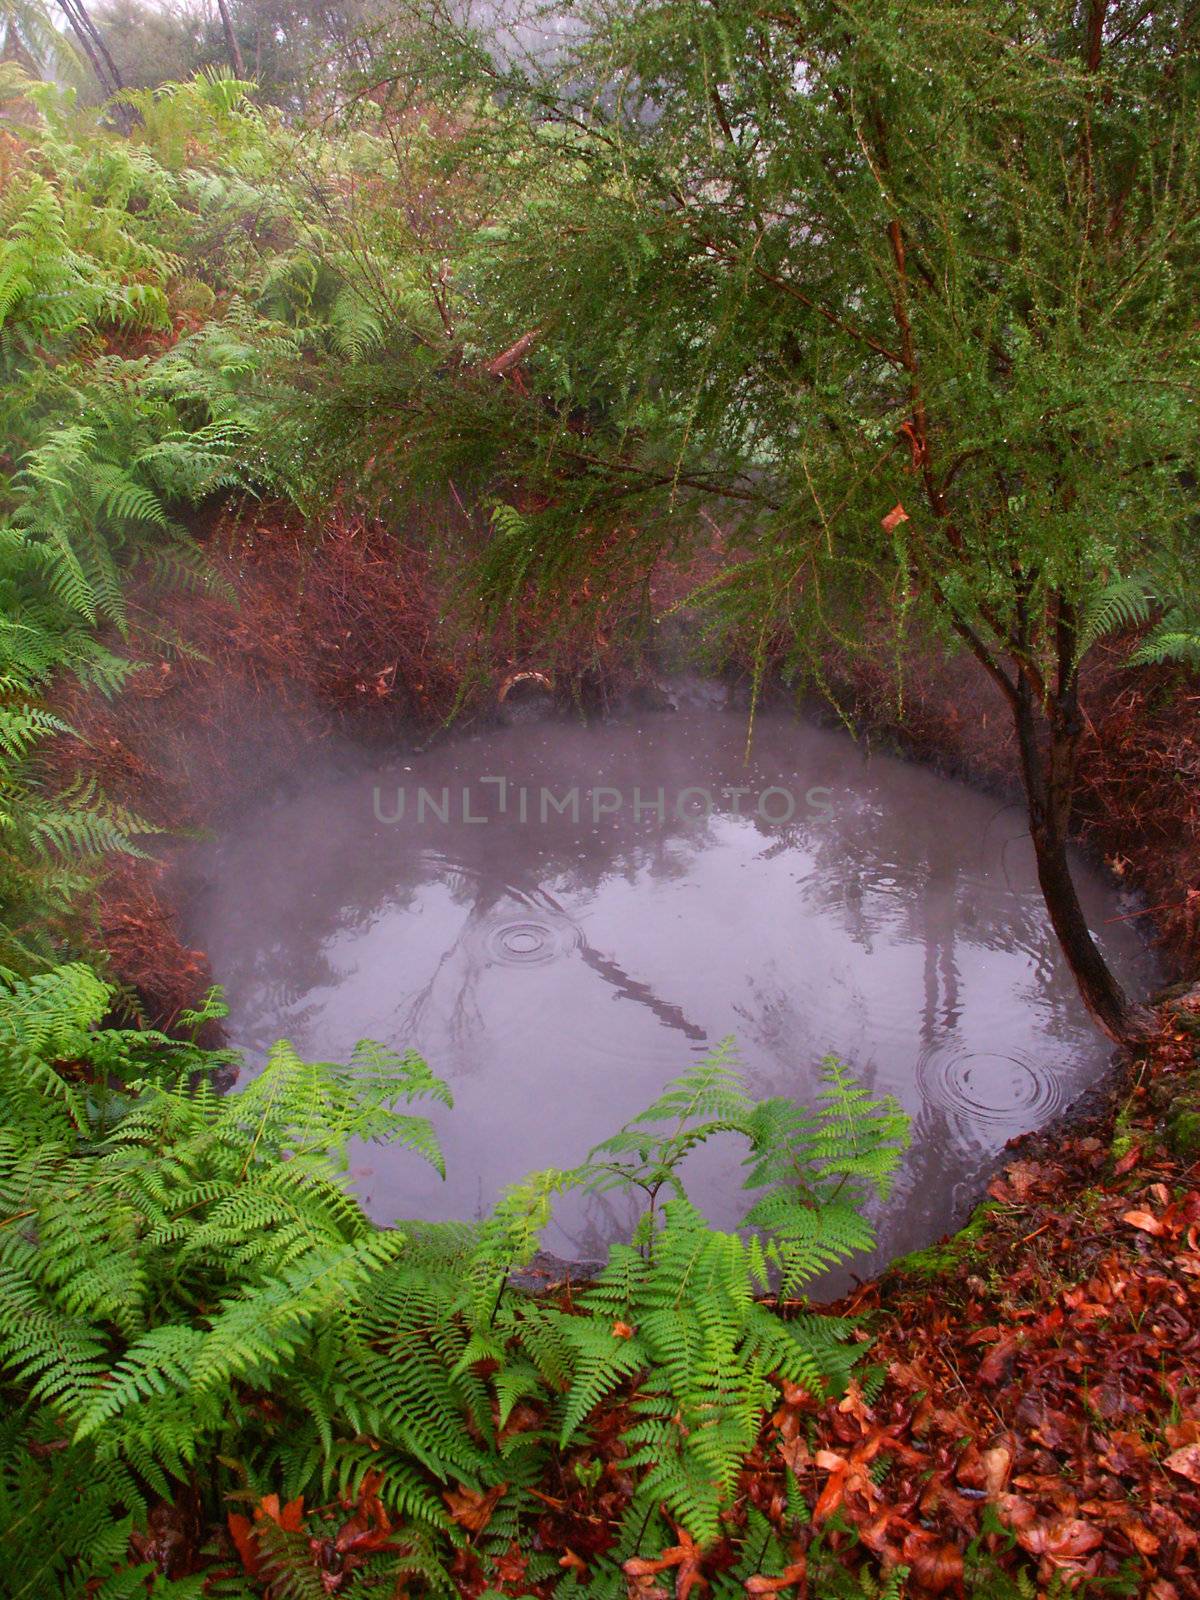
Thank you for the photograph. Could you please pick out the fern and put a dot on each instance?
(1117, 606)
(167, 1253)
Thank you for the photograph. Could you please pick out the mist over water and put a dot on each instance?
(557, 963)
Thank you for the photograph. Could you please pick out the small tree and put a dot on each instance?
(909, 290)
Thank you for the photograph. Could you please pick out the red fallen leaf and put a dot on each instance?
(894, 518)
(369, 1488)
(473, 1510)
(622, 1330)
(241, 1531)
(939, 1571)
(761, 1584)
(1145, 1220)
(969, 1468)
(1125, 1454)
(831, 1495)
(795, 1453)
(994, 1366)
(997, 1464)
(650, 1566)
(853, 1403)
(1064, 1539)
(1016, 1511)
(521, 1419)
(795, 1394)
(369, 1529)
(1128, 1161)
(1022, 1177)
(983, 1336)
(1185, 1463)
(290, 1517)
(570, 1559)
(1109, 1400)
(512, 1565)
(685, 1556)
(1139, 1536)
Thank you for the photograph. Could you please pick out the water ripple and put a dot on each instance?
(989, 1086)
(529, 942)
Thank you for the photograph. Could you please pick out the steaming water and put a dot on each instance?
(558, 972)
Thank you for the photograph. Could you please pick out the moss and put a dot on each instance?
(949, 1255)
(1123, 1142)
(1183, 1132)
(1178, 1104)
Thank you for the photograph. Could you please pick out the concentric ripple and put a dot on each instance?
(529, 942)
(988, 1086)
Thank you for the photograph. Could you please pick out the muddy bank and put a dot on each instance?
(296, 640)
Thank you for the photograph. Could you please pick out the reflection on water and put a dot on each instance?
(558, 966)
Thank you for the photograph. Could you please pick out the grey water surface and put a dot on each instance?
(558, 960)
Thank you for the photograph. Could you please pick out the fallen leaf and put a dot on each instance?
(940, 1570)
(472, 1509)
(1139, 1536)
(997, 1464)
(685, 1556)
(1185, 1463)
(511, 1566)
(1145, 1220)
(289, 1517)
(761, 1584)
(241, 1531)
(894, 518)
(1064, 1539)
(831, 1495)
(994, 1367)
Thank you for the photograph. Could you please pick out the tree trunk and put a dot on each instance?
(78, 21)
(231, 44)
(1048, 746)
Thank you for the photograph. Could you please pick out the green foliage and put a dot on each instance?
(171, 1254)
(708, 1352)
(115, 416)
(818, 1169)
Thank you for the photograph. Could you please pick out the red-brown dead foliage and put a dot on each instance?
(300, 636)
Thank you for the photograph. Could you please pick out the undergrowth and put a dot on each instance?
(192, 1300)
